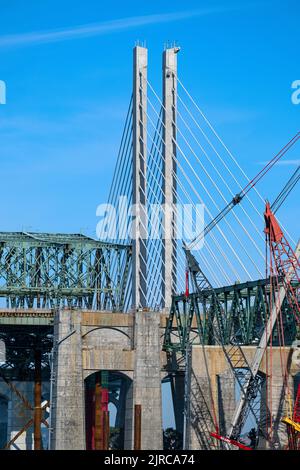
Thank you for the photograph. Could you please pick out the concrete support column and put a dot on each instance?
(177, 388)
(139, 252)
(147, 378)
(226, 400)
(169, 181)
(280, 402)
(201, 414)
(203, 399)
(146, 387)
(67, 408)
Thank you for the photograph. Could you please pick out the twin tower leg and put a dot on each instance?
(140, 158)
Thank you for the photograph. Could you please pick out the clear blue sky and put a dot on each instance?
(68, 76)
(67, 67)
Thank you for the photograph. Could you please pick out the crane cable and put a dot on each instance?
(286, 190)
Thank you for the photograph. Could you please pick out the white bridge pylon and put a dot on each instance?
(171, 165)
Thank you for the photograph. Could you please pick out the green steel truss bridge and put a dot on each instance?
(169, 155)
(42, 270)
(245, 309)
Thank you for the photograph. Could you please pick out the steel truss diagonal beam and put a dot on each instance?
(41, 270)
(245, 309)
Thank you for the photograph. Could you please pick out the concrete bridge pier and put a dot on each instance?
(67, 409)
(147, 380)
(87, 342)
(223, 396)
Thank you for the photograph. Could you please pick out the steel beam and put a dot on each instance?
(98, 439)
(37, 416)
(260, 350)
(62, 270)
(137, 427)
(245, 312)
(106, 430)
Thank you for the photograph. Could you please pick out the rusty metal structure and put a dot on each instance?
(40, 273)
(68, 297)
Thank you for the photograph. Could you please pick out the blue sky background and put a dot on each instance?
(67, 94)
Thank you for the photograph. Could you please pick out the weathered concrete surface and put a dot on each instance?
(147, 378)
(107, 342)
(226, 400)
(223, 394)
(87, 342)
(68, 410)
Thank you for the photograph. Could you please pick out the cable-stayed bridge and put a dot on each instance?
(86, 323)
(176, 169)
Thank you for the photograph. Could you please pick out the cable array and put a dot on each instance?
(205, 173)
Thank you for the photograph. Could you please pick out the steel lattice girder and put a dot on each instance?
(245, 310)
(21, 342)
(53, 270)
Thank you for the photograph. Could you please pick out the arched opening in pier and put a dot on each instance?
(172, 395)
(105, 409)
(229, 394)
(3, 421)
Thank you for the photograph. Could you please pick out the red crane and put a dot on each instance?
(200, 282)
(284, 260)
(293, 425)
(285, 273)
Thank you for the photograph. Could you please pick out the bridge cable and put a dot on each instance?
(211, 198)
(217, 171)
(187, 178)
(194, 206)
(225, 147)
(192, 186)
(215, 204)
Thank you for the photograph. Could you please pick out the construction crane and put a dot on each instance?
(285, 269)
(231, 442)
(198, 278)
(286, 261)
(293, 424)
(286, 266)
(251, 383)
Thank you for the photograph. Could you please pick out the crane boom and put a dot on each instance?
(260, 350)
(234, 354)
(239, 196)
